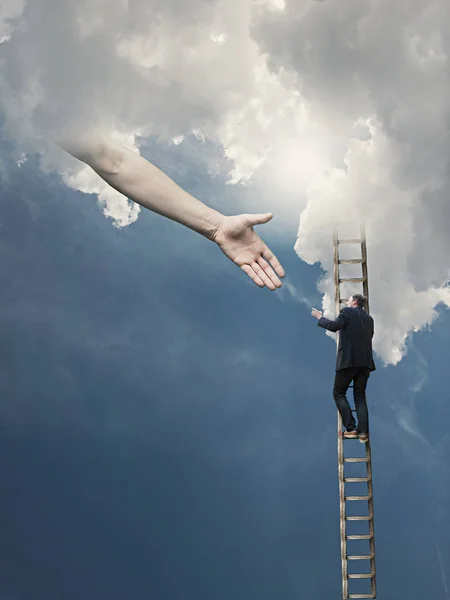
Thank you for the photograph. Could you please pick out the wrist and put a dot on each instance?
(214, 226)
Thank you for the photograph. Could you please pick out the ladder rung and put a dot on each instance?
(363, 557)
(354, 460)
(358, 497)
(350, 241)
(365, 536)
(355, 479)
(351, 261)
(360, 575)
(366, 518)
(352, 280)
(362, 596)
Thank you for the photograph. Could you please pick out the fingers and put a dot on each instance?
(261, 272)
(258, 275)
(267, 269)
(266, 255)
(257, 268)
(275, 263)
(253, 276)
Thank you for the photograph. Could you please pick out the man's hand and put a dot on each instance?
(316, 313)
(237, 240)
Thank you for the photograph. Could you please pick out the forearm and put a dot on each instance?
(324, 323)
(140, 181)
(332, 326)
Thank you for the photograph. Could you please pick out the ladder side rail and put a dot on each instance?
(342, 514)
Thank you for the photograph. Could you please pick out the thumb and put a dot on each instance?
(260, 219)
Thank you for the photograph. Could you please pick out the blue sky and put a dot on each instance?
(167, 428)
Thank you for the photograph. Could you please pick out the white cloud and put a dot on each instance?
(9, 11)
(342, 107)
(145, 68)
(403, 295)
(376, 74)
(115, 205)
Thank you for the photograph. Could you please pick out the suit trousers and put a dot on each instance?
(342, 381)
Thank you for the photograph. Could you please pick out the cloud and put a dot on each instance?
(9, 11)
(404, 293)
(443, 573)
(289, 290)
(382, 88)
(3, 172)
(407, 412)
(341, 107)
(407, 419)
(245, 357)
(140, 68)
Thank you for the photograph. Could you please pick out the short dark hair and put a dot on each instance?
(360, 300)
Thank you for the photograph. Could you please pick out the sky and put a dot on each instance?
(167, 427)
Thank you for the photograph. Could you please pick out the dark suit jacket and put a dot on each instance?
(355, 328)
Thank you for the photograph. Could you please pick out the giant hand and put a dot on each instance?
(238, 240)
(140, 181)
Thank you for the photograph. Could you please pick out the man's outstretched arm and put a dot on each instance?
(339, 323)
(140, 181)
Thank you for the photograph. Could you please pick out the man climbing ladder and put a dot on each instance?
(354, 362)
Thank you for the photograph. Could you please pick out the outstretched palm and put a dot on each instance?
(237, 239)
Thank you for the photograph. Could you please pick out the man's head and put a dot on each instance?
(356, 301)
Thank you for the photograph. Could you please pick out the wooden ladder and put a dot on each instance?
(347, 498)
